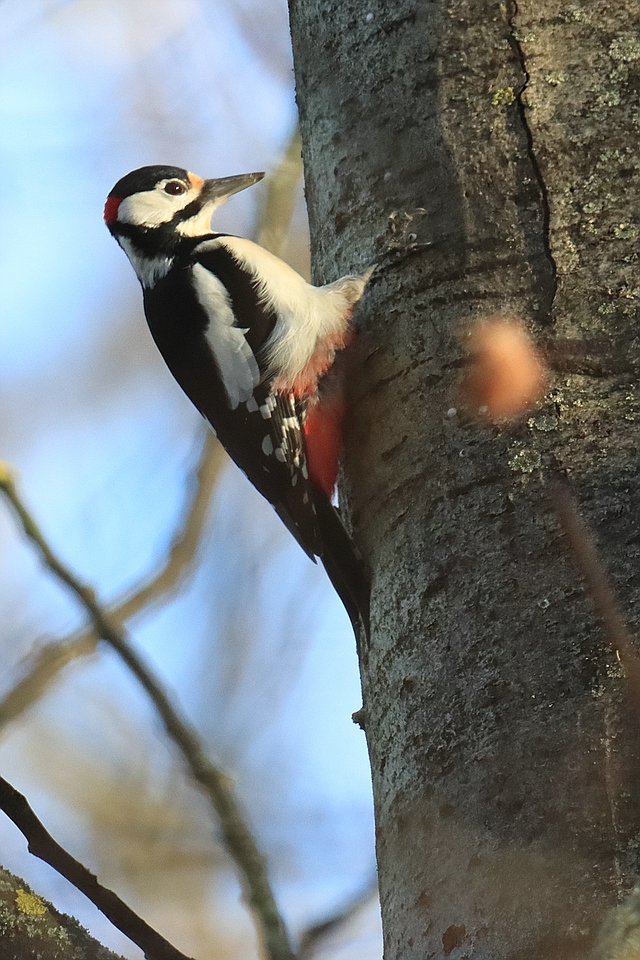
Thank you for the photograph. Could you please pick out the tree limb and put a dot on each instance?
(42, 845)
(47, 662)
(30, 926)
(216, 785)
(312, 938)
(598, 585)
(280, 194)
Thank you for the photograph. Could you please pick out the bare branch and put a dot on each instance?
(42, 845)
(44, 665)
(40, 670)
(312, 938)
(280, 196)
(186, 540)
(216, 785)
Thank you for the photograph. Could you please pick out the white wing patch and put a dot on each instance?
(235, 360)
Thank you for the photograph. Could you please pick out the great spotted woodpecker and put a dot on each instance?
(253, 346)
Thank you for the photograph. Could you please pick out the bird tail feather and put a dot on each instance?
(345, 567)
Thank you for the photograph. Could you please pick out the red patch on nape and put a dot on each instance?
(111, 209)
(323, 434)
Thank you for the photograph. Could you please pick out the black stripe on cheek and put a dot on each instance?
(191, 210)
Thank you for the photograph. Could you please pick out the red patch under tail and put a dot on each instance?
(323, 434)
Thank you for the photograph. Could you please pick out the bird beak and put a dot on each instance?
(220, 190)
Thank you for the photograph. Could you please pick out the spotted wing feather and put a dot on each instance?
(266, 440)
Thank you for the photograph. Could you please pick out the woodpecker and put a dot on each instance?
(254, 347)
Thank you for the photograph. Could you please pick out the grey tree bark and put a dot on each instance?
(487, 155)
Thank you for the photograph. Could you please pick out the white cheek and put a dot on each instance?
(150, 208)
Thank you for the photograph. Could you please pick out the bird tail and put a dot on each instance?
(345, 567)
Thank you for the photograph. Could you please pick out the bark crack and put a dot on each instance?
(516, 47)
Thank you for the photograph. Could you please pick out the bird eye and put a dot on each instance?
(175, 188)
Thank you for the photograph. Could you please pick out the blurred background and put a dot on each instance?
(252, 642)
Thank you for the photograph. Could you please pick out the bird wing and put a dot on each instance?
(250, 310)
(262, 429)
(280, 421)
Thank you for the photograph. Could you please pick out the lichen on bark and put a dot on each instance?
(31, 927)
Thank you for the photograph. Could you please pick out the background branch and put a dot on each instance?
(312, 938)
(44, 665)
(42, 845)
(280, 198)
(237, 837)
(598, 585)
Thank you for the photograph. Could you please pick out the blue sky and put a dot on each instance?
(257, 648)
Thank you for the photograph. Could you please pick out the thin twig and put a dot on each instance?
(313, 937)
(42, 845)
(599, 588)
(217, 786)
(185, 542)
(44, 665)
(39, 671)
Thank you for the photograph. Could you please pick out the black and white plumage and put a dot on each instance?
(253, 346)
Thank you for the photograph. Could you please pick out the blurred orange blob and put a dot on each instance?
(507, 374)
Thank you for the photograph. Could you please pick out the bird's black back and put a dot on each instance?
(178, 323)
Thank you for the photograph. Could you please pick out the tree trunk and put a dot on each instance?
(487, 157)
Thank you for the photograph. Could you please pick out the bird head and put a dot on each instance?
(155, 207)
